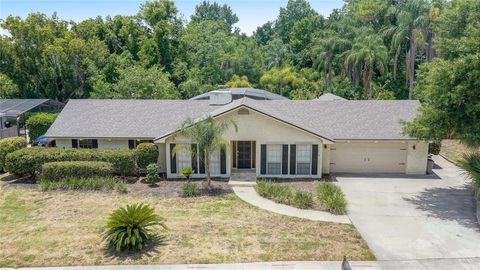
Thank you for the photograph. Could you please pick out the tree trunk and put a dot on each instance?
(395, 62)
(207, 168)
(366, 81)
(430, 50)
(411, 67)
(329, 75)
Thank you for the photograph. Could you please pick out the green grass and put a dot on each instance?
(92, 183)
(332, 198)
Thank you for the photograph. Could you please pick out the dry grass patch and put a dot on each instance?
(454, 149)
(63, 228)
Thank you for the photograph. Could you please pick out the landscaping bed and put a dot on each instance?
(134, 185)
(307, 194)
(63, 228)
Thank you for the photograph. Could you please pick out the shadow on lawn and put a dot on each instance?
(448, 203)
(148, 251)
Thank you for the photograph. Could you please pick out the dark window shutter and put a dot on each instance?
(315, 159)
(223, 161)
(263, 159)
(293, 158)
(74, 143)
(131, 144)
(285, 159)
(201, 159)
(94, 143)
(173, 160)
(194, 158)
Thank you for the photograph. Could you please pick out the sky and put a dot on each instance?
(251, 13)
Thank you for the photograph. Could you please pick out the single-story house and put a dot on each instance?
(275, 137)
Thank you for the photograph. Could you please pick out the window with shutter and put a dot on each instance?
(274, 159)
(304, 158)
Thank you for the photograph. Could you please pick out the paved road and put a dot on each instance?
(415, 218)
(437, 264)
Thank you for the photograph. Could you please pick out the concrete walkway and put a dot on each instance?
(249, 195)
(437, 264)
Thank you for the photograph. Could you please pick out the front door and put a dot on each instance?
(244, 154)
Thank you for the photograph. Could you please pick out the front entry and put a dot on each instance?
(244, 154)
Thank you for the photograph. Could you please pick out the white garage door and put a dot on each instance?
(378, 157)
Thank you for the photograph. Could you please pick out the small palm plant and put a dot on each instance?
(187, 171)
(470, 162)
(131, 228)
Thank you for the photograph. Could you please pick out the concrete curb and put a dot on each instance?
(249, 195)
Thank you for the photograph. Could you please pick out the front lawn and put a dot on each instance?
(63, 228)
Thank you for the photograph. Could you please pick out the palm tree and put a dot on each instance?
(412, 19)
(367, 55)
(325, 51)
(207, 134)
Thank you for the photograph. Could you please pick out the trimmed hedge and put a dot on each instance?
(39, 123)
(9, 145)
(55, 171)
(146, 153)
(30, 160)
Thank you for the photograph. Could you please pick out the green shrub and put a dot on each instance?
(146, 153)
(121, 187)
(302, 200)
(72, 183)
(79, 169)
(187, 171)
(332, 198)
(276, 192)
(470, 162)
(152, 173)
(434, 147)
(131, 228)
(189, 189)
(30, 160)
(39, 123)
(9, 145)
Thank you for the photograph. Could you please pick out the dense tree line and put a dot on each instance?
(367, 49)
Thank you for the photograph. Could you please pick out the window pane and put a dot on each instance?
(274, 159)
(303, 168)
(215, 162)
(85, 143)
(274, 153)
(184, 158)
(304, 158)
(274, 168)
(304, 153)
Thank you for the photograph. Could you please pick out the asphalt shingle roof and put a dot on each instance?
(336, 119)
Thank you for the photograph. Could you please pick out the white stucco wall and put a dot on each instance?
(63, 143)
(263, 130)
(162, 158)
(326, 159)
(417, 158)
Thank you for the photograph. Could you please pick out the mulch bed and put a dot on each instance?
(136, 186)
(172, 188)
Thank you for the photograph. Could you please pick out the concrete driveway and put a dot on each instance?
(404, 218)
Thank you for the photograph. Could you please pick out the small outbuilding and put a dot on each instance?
(12, 114)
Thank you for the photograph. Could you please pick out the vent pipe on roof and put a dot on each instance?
(219, 97)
